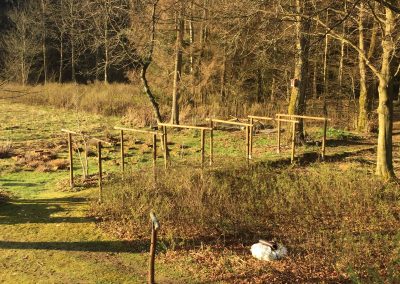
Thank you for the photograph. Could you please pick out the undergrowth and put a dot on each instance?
(129, 101)
(339, 219)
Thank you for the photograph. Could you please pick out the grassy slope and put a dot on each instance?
(45, 234)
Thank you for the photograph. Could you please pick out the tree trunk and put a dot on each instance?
(73, 72)
(106, 47)
(342, 48)
(147, 91)
(60, 76)
(192, 59)
(297, 103)
(315, 81)
(260, 91)
(363, 113)
(44, 41)
(326, 84)
(223, 78)
(384, 165)
(72, 35)
(178, 68)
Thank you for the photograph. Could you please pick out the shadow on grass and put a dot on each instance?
(90, 246)
(21, 184)
(40, 211)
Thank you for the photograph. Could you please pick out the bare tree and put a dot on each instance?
(178, 63)
(297, 103)
(22, 42)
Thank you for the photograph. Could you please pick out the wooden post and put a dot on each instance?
(251, 139)
(203, 137)
(165, 141)
(100, 172)
(71, 161)
(122, 152)
(278, 150)
(154, 149)
(247, 143)
(152, 254)
(324, 138)
(153, 244)
(293, 141)
(211, 142)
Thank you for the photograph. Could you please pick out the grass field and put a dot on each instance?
(339, 223)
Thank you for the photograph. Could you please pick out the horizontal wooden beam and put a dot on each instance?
(184, 126)
(70, 131)
(136, 130)
(272, 119)
(303, 116)
(100, 140)
(229, 122)
(260, 117)
(87, 136)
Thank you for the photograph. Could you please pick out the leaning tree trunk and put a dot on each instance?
(148, 92)
(145, 65)
(384, 165)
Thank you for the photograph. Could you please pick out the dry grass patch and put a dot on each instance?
(338, 223)
(6, 149)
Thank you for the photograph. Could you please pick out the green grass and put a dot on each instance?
(46, 231)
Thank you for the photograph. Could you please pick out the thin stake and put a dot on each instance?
(278, 150)
(100, 172)
(251, 138)
(324, 138)
(154, 149)
(155, 159)
(71, 161)
(211, 142)
(247, 143)
(122, 152)
(293, 141)
(165, 146)
(203, 137)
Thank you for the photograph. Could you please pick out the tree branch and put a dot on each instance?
(389, 5)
